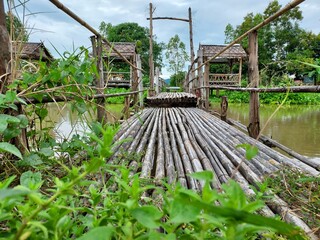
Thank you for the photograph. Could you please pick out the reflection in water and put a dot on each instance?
(65, 122)
(296, 126)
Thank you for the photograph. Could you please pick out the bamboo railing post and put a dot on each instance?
(134, 83)
(140, 83)
(254, 118)
(157, 81)
(206, 83)
(224, 108)
(97, 53)
(240, 71)
(191, 50)
(200, 76)
(151, 65)
(188, 85)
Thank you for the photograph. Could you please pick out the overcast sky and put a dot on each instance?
(210, 18)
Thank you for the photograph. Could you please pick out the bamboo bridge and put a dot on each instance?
(177, 141)
(175, 138)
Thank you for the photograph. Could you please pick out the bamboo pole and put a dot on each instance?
(254, 115)
(160, 159)
(183, 153)
(151, 64)
(169, 163)
(170, 18)
(191, 47)
(291, 89)
(149, 158)
(71, 98)
(181, 175)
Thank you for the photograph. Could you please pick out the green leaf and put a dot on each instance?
(183, 210)
(5, 184)
(38, 97)
(31, 160)
(148, 216)
(94, 164)
(10, 96)
(11, 132)
(203, 175)
(8, 147)
(98, 233)
(251, 151)
(81, 107)
(12, 193)
(3, 125)
(9, 119)
(310, 64)
(42, 113)
(22, 101)
(47, 152)
(23, 120)
(39, 225)
(31, 180)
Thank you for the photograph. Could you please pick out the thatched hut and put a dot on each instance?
(234, 55)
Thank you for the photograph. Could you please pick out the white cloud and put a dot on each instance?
(209, 18)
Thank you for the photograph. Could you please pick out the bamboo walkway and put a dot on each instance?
(177, 141)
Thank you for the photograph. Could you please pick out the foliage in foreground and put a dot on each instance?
(94, 200)
(301, 192)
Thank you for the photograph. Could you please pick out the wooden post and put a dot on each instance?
(134, 83)
(157, 81)
(240, 71)
(191, 49)
(188, 85)
(97, 53)
(206, 83)
(200, 92)
(4, 48)
(224, 108)
(126, 112)
(140, 83)
(151, 65)
(254, 119)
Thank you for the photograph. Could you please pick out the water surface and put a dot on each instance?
(295, 126)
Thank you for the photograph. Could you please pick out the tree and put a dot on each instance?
(132, 32)
(4, 47)
(16, 28)
(277, 40)
(177, 56)
(177, 79)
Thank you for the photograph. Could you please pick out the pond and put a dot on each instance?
(64, 122)
(295, 126)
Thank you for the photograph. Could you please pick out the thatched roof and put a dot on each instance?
(31, 51)
(127, 49)
(235, 52)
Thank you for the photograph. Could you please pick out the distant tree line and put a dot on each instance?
(282, 44)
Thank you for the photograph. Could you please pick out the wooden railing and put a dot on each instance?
(224, 79)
